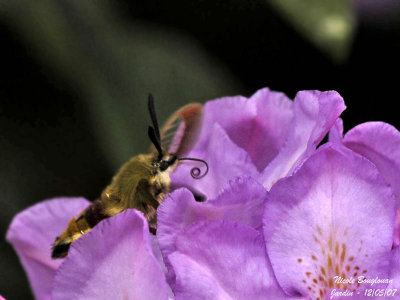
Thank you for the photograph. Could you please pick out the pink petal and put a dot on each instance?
(113, 261)
(314, 114)
(223, 260)
(336, 132)
(395, 271)
(242, 201)
(225, 159)
(333, 217)
(32, 233)
(380, 143)
(259, 125)
(396, 235)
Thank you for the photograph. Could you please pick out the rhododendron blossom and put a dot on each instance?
(276, 217)
(322, 222)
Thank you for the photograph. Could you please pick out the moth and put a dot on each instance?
(144, 181)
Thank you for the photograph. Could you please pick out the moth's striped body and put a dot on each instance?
(139, 184)
(143, 182)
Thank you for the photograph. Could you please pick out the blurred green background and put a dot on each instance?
(76, 75)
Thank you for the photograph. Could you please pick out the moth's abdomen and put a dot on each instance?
(77, 227)
(64, 240)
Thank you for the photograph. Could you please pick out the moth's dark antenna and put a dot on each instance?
(153, 117)
(196, 172)
(154, 140)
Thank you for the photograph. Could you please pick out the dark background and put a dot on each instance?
(74, 85)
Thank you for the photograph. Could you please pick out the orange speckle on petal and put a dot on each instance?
(323, 271)
(315, 239)
(331, 283)
(319, 230)
(330, 267)
(343, 255)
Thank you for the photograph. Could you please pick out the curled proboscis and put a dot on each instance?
(195, 172)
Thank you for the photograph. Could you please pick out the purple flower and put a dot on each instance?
(216, 247)
(217, 244)
(332, 220)
(233, 266)
(379, 142)
(265, 136)
(280, 221)
(118, 259)
(33, 231)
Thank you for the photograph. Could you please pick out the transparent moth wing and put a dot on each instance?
(182, 130)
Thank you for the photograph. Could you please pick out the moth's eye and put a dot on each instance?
(164, 165)
(172, 159)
